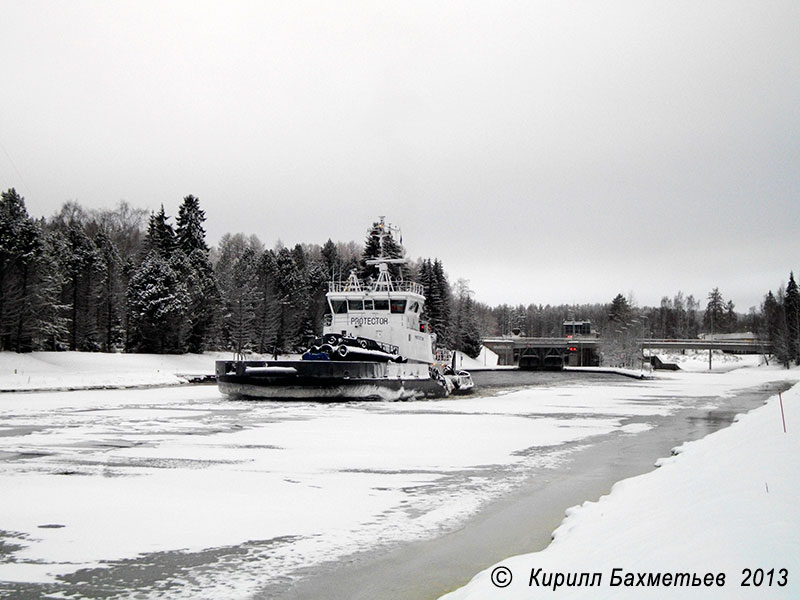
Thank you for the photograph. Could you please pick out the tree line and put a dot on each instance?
(621, 323)
(125, 280)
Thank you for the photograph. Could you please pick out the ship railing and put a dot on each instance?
(394, 286)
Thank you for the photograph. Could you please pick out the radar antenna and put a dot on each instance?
(382, 231)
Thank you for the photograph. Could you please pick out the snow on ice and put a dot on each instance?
(98, 477)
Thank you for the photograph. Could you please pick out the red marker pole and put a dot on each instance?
(783, 418)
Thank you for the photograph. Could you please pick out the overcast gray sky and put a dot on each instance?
(548, 152)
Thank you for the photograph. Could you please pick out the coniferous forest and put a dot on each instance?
(124, 279)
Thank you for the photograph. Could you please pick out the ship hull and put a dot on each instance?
(328, 381)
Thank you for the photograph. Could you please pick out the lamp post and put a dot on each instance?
(647, 320)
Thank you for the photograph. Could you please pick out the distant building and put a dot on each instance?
(577, 328)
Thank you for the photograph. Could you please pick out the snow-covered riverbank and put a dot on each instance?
(93, 370)
(726, 504)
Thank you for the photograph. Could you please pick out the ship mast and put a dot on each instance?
(382, 231)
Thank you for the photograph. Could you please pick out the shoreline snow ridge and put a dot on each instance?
(722, 510)
(73, 371)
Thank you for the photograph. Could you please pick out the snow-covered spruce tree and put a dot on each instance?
(619, 337)
(620, 310)
(157, 300)
(156, 296)
(391, 249)
(433, 298)
(310, 302)
(50, 326)
(160, 237)
(287, 289)
(241, 302)
(438, 300)
(465, 334)
(110, 292)
(776, 330)
(201, 283)
(268, 307)
(792, 312)
(24, 267)
(714, 317)
(190, 232)
(229, 253)
(80, 265)
(444, 311)
(731, 319)
(332, 264)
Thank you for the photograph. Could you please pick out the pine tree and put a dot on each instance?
(195, 266)
(776, 327)
(620, 347)
(80, 265)
(714, 317)
(731, 318)
(302, 300)
(287, 284)
(50, 325)
(792, 312)
(267, 307)
(29, 265)
(620, 311)
(241, 303)
(438, 300)
(190, 233)
(230, 251)
(110, 291)
(465, 333)
(160, 237)
(331, 262)
(441, 320)
(312, 304)
(20, 251)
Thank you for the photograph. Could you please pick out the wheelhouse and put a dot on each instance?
(384, 310)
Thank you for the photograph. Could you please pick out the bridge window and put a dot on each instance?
(355, 305)
(414, 308)
(398, 306)
(381, 305)
(368, 305)
(572, 328)
(339, 307)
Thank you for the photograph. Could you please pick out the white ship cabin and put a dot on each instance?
(386, 311)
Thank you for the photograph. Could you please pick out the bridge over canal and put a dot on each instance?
(555, 352)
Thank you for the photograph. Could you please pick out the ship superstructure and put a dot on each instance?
(384, 310)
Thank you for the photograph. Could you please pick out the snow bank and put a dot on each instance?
(721, 362)
(723, 505)
(83, 370)
(486, 359)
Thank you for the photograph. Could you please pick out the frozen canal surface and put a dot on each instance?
(179, 492)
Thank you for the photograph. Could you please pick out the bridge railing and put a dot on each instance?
(754, 345)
